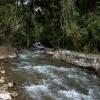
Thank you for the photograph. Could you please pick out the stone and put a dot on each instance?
(79, 59)
(12, 55)
(50, 52)
(67, 51)
(3, 71)
(39, 46)
(2, 80)
(4, 87)
(10, 85)
(5, 96)
(14, 94)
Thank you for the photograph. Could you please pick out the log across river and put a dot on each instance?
(40, 77)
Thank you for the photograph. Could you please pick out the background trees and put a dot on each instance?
(7, 21)
(70, 24)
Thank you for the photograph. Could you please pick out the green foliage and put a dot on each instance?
(19, 40)
(57, 23)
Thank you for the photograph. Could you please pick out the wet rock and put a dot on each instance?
(14, 94)
(6, 60)
(4, 86)
(50, 52)
(78, 59)
(2, 71)
(39, 46)
(2, 80)
(10, 85)
(5, 96)
(12, 55)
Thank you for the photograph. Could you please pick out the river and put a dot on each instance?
(42, 78)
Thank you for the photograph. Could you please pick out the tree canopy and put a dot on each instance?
(69, 24)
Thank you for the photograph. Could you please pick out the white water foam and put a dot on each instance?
(73, 95)
(37, 91)
(56, 79)
(50, 70)
(41, 69)
(27, 55)
(23, 56)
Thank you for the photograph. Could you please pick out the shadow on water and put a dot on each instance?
(40, 77)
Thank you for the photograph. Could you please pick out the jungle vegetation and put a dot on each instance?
(68, 24)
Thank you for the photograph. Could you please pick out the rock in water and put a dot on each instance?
(5, 96)
(39, 46)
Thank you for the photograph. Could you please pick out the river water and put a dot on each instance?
(42, 78)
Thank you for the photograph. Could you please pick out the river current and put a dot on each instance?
(42, 78)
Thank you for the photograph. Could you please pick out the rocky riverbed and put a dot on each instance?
(88, 61)
(7, 86)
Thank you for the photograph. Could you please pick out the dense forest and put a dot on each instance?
(68, 24)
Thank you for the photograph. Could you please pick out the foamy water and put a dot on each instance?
(54, 82)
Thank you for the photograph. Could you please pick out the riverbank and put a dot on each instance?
(88, 61)
(7, 86)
